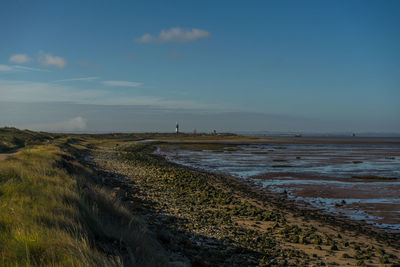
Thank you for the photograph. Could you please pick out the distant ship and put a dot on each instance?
(297, 135)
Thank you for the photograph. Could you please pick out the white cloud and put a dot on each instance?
(19, 58)
(78, 79)
(146, 38)
(5, 68)
(48, 60)
(75, 124)
(122, 83)
(174, 35)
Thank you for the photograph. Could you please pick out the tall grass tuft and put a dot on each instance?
(51, 216)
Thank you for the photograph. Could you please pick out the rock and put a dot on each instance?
(179, 264)
(164, 237)
(188, 244)
(199, 263)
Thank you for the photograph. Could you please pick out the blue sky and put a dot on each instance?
(325, 66)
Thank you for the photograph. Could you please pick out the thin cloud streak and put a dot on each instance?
(19, 58)
(122, 83)
(17, 68)
(5, 68)
(175, 34)
(77, 79)
(34, 92)
(24, 68)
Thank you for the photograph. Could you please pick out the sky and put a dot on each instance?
(120, 66)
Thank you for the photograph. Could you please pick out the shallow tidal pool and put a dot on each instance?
(359, 181)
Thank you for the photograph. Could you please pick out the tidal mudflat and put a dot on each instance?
(360, 181)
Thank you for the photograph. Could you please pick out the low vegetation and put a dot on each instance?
(12, 138)
(52, 212)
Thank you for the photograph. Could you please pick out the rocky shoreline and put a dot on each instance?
(205, 219)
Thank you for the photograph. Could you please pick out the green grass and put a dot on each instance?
(12, 138)
(52, 214)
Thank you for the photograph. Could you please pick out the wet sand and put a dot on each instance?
(359, 181)
(372, 201)
(290, 140)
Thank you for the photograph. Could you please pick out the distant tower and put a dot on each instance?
(177, 128)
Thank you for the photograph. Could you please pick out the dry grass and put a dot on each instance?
(52, 215)
(12, 138)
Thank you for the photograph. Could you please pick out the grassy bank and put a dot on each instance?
(12, 138)
(53, 213)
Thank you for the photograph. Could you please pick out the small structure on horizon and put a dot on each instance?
(177, 128)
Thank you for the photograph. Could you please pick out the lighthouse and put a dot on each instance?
(177, 128)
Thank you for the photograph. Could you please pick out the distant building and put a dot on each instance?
(177, 128)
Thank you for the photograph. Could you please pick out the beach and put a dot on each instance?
(359, 180)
